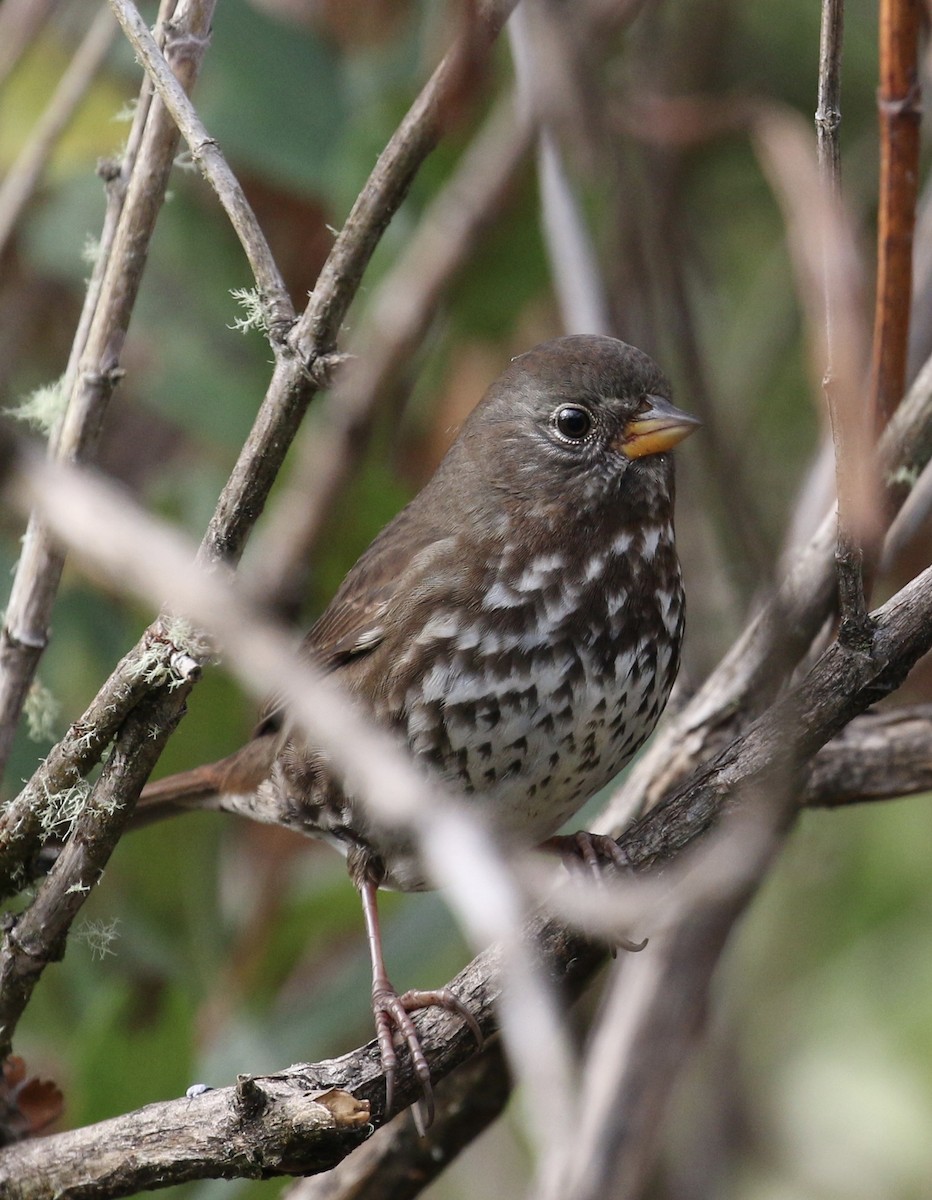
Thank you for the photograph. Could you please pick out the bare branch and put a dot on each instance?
(261, 1127)
(314, 336)
(828, 105)
(216, 170)
(849, 550)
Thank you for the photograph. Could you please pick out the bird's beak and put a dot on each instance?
(658, 428)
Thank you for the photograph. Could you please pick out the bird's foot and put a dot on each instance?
(393, 1012)
(594, 852)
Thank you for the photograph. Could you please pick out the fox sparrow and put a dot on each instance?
(518, 625)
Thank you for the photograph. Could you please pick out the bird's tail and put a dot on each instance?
(218, 785)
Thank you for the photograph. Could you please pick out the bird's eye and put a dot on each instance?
(572, 423)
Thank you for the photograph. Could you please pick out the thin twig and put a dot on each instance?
(849, 550)
(24, 175)
(216, 170)
(396, 320)
(828, 103)
(314, 337)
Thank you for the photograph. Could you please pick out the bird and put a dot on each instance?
(517, 626)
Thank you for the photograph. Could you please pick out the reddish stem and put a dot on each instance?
(898, 104)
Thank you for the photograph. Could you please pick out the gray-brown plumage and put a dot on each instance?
(518, 624)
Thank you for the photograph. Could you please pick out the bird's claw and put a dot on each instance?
(594, 851)
(392, 1012)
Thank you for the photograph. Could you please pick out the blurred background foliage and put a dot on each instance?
(212, 947)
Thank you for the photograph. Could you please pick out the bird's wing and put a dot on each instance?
(356, 620)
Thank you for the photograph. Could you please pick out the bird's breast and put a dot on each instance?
(535, 696)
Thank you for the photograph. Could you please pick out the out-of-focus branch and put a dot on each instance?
(547, 78)
(207, 155)
(880, 756)
(23, 177)
(20, 23)
(831, 292)
(898, 102)
(655, 1009)
(396, 320)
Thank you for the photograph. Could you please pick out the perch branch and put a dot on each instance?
(397, 1163)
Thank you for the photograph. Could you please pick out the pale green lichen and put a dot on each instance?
(157, 663)
(62, 809)
(904, 476)
(90, 251)
(41, 711)
(154, 666)
(43, 408)
(186, 637)
(126, 113)
(256, 314)
(98, 936)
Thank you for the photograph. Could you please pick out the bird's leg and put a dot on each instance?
(594, 851)
(392, 1012)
